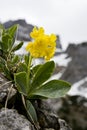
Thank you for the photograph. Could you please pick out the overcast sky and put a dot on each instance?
(68, 18)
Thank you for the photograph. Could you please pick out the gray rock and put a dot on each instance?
(64, 125)
(11, 120)
(76, 69)
(6, 89)
(58, 42)
(47, 118)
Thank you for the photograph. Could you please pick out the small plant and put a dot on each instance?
(31, 81)
(9, 62)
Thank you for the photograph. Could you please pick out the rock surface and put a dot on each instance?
(6, 89)
(11, 120)
(58, 42)
(48, 119)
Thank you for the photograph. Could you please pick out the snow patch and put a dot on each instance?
(61, 60)
(75, 88)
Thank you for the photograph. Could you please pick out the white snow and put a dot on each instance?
(61, 60)
(56, 76)
(75, 88)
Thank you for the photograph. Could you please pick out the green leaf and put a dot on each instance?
(1, 27)
(35, 97)
(12, 33)
(43, 74)
(22, 67)
(17, 47)
(12, 30)
(21, 81)
(6, 42)
(7, 72)
(15, 59)
(35, 68)
(31, 112)
(52, 89)
(26, 58)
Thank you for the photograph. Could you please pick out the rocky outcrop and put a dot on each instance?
(76, 69)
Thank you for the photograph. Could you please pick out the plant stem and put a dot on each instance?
(28, 73)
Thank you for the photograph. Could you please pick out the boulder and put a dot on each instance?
(11, 120)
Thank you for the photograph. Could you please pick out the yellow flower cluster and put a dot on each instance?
(43, 45)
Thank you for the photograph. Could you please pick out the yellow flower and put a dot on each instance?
(43, 45)
(37, 32)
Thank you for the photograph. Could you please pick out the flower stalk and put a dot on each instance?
(28, 72)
